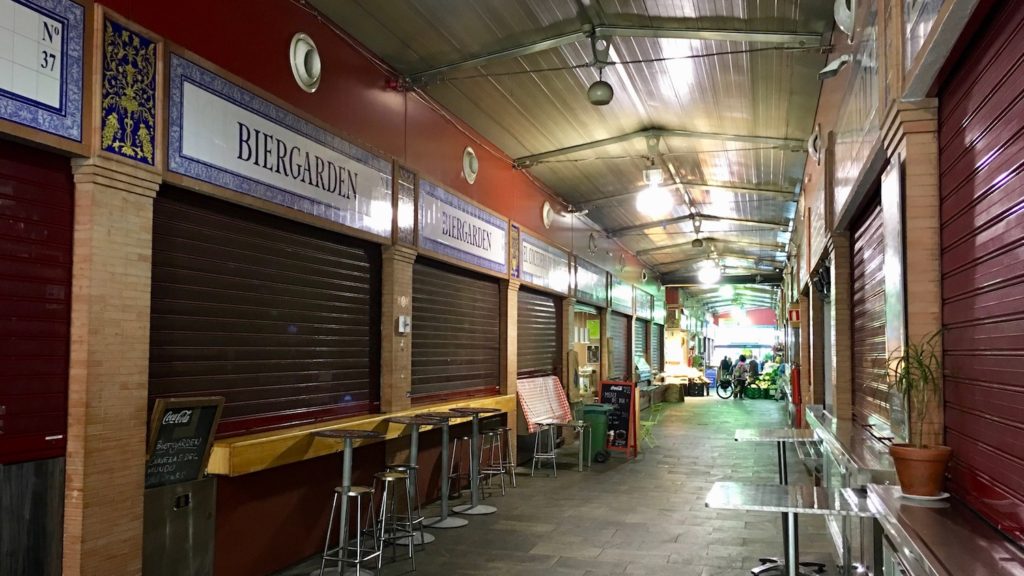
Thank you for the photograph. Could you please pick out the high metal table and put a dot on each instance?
(444, 521)
(781, 437)
(790, 501)
(347, 435)
(475, 507)
(412, 487)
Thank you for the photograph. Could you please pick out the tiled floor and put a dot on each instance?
(645, 516)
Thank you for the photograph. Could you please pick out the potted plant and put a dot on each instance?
(914, 373)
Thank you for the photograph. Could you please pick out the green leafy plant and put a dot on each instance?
(914, 373)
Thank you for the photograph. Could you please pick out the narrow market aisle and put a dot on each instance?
(645, 516)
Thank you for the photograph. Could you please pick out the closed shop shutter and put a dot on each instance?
(36, 220)
(621, 366)
(870, 391)
(641, 334)
(981, 147)
(455, 319)
(539, 334)
(280, 318)
(657, 347)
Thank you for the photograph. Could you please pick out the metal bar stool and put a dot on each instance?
(392, 530)
(491, 464)
(474, 507)
(541, 452)
(508, 459)
(412, 469)
(444, 521)
(460, 456)
(346, 491)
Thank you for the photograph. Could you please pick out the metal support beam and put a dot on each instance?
(720, 241)
(677, 219)
(775, 264)
(782, 143)
(605, 31)
(780, 194)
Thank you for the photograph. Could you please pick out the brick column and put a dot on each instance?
(805, 350)
(842, 327)
(816, 336)
(395, 348)
(109, 372)
(911, 137)
(509, 345)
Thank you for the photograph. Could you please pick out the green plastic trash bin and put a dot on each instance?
(597, 416)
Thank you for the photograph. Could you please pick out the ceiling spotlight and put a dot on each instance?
(726, 291)
(654, 201)
(834, 67)
(600, 93)
(710, 273)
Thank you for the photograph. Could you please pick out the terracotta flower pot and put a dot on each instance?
(921, 470)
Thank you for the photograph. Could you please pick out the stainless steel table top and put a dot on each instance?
(773, 435)
(798, 498)
(943, 537)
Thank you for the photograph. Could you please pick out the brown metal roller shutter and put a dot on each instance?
(641, 335)
(280, 318)
(657, 347)
(981, 160)
(870, 391)
(539, 334)
(36, 213)
(455, 320)
(618, 330)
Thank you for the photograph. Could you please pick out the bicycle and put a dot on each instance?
(724, 389)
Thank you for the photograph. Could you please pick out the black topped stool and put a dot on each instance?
(475, 507)
(342, 495)
(444, 521)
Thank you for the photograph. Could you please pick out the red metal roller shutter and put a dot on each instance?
(618, 331)
(280, 318)
(36, 220)
(981, 159)
(539, 336)
(870, 391)
(455, 321)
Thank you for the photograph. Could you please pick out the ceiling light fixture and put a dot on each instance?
(709, 273)
(654, 201)
(697, 242)
(600, 92)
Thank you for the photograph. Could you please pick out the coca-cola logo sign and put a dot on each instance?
(179, 417)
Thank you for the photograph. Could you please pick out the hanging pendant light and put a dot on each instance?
(600, 92)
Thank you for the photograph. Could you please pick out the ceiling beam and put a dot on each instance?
(677, 219)
(721, 241)
(778, 193)
(691, 281)
(774, 263)
(796, 145)
(606, 31)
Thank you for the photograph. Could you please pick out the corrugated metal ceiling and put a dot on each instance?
(721, 84)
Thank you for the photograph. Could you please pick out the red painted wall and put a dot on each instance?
(757, 316)
(352, 98)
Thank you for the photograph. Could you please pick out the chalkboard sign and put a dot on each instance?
(180, 436)
(621, 421)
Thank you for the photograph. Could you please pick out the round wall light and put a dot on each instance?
(305, 60)
(470, 165)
